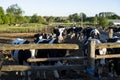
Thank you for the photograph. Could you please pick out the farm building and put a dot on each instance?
(115, 21)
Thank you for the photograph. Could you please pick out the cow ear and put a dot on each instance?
(55, 30)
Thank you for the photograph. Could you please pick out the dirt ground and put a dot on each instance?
(75, 74)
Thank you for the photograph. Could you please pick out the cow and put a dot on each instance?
(86, 33)
(60, 34)
(78, 32)
(95, 35)
(90, 33)
(39, 36)
(21, 56)
(115, 29)
(74, 32)
(114, 63)
(70, 32)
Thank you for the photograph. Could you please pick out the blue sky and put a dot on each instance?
(64, 7)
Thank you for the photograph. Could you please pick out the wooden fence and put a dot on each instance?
(91, 58)
(40, 46)
(94, 46)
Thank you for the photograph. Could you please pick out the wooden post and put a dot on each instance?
(92, 54)
(110, 35)
(1, 61)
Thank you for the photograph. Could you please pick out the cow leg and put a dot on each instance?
(56, 74)
(111, 68)
(85, 55)
(44, 74)
(100, 70)
(23, 75)
(111, 73)
(116, 68)
(99, 67)
(37, 75)
(29, 75)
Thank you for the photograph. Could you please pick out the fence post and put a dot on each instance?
(1, 61)
(110, 34)
(92, 54)
(91, 62)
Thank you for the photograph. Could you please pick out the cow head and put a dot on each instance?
(60, 33)
(37, 37)
(41, 37)
(95, 34)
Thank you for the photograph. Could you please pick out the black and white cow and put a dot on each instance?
(90, 33)
(46, 36)
(95, 35)
(86, 33)
(115, 29)
(21, 56)
(51, 53)
(114, 63)
(74, 32)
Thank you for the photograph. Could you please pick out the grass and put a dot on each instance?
(30, 27)
(22, 28)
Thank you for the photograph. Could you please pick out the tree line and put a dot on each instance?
(14, 15)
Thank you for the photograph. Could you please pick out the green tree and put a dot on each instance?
(34, 19)
(83, 16)
(41, 20)
(27, 19)
(2, 15)
(106, 14)
(90, 19)
(50, 19)
(103, 21)
(74, 17)
(7, 19)
(67, 21)
(37, 19)
(109, 15)
(11, 18)
(58, 19)
(95, 20)
(115, 17)
(110, 23)
(19, 19)
(16, 11)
